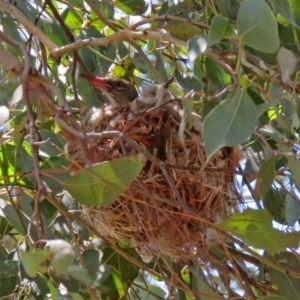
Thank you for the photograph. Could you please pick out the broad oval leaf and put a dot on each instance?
(81, 274)
(217, 77)
(228, 8)
(9, 268)
(188, 83)
(197, 46)
(91, 258)
(257, 26)
(102, 183)
(132, 7)
(230, 123)
(183, 31)
(287, 61)
(283, 7)
(220, 29)
(288, 286)
(254, 227)
(294, 164)
(34, 262)
(274, 202)
(265, 177)
(292, 207)
(201, 284)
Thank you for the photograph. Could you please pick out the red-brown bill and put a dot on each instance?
(96, 81)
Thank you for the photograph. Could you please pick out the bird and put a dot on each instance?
(151, 96)
(121, 92)
(118, 90)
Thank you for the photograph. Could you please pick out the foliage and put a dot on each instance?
(236, 60)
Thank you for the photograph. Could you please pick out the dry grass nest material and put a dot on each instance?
(149, 216)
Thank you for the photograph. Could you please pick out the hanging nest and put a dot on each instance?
(166, 210)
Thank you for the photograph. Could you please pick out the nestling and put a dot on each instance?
(118, 91)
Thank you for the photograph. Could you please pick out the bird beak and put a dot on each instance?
(103, 84)
(96, 81)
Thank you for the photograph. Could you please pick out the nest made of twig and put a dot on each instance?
(150, 216)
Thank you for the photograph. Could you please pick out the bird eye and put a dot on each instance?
(119, 84)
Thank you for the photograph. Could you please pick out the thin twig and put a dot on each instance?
(130, 40)
(32, 131)
(155, 160)
(113, 245)
(126, 33)
(165, 18)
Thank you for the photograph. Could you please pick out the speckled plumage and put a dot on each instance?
(118, 91)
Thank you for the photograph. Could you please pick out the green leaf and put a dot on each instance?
(199, 71)
(7, 286)
(53, 30)
(132, 7)
(72, 19)
(118, 71)
(41, 290)
(10, 28)
(48, 148)
(101, 184)
(283, 7)
(9, 268)
(6, 162)
(288, 286)
(75, 296)
(196, 46)
(254, 227)
(57, 168)
(294, 5)
(228, 8)
(274, 202)
(187, 83)
(24, 158)
(139, 63)
(19, 124)
(220, 29)
(19, 221)
(257, 26)
(294, 165)
(122, 274)
(91, 258)
(34, 262)
(292, 207)
(217, 76)
(77, 3)
(230, 123)
(265, 177)
(142, 290)
(160, 61)
(201, 284)
(5, 227)
(183, 31)
(81, 274)
(287, 62)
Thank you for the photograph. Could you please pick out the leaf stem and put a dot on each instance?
(239, 58)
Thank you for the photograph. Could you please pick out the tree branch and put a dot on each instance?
(129, 40)
(40, 35)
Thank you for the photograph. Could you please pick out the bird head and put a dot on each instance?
(151, 96)
(119, 91)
